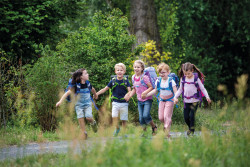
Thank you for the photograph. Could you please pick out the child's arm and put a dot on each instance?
(150, 88)
(130, 94)
(102, 90)
(177, 93)
(153, 92)
(66, 94)
(126, 97)
(94, 93)
(204, 91)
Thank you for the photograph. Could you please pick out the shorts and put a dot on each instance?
(121, 108)
(84, 111)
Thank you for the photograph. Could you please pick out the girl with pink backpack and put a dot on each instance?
(191, 88)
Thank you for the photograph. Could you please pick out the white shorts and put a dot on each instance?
(121, 108)
(84, 111)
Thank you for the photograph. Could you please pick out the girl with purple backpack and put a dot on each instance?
(191, 88)
(142, 86)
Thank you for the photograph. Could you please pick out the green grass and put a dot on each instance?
(209, 149)
(19, 136)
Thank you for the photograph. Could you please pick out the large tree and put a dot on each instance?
(143, 22)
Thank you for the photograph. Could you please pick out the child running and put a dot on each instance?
(190, 83)
(166, 87)
(119, 86)
(142, 87)
(82, 87)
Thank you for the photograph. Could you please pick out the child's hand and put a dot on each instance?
(208, 100)
(143, 95)
(96, 96)
(175, 101)
(127, 97)
(58, 104)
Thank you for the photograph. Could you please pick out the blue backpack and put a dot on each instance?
(176, 79)
(150, 72)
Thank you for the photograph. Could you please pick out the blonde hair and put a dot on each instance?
(120, 65)
(163, 66)
(142, 64)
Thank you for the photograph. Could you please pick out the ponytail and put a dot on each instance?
(188, 66)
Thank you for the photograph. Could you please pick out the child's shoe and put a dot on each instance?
(85, 136)
(116, 132)
(94, 126)
(154, 130)
(190, 133)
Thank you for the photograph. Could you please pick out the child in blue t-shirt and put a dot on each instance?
(119, 86)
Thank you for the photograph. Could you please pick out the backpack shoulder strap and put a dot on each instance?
(88, 84)
(159, 84)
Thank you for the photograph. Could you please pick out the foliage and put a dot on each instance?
(98, 47)
(24, 23)
(44, 80)
(216, 40)
(11, 82)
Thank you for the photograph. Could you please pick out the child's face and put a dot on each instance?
(188, 74)
(85, 75)
(164, 74)
(119, 71)
(138, 69)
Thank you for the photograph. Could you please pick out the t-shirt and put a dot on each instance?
(190, 90)
(164, 84)
(82, 86)
(119, 91)
(139, 88)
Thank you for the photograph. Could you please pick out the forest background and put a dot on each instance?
(42, 41)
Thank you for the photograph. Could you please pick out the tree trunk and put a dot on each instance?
(143, 22)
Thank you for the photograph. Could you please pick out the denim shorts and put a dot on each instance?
(84, 111)
(144, 111)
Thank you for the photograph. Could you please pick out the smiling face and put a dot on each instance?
(189, 73)
(119, 71)
(164, 74)
(138, 69)
(85, 76)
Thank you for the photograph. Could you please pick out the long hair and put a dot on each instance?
(76, 76)
(190, 67)
(141, 63)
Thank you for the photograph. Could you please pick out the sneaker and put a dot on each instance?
(94, 126)
(85, 135)
(116, 131)
(189, 132)
(154, 130)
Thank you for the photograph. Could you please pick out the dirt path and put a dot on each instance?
(76, 146)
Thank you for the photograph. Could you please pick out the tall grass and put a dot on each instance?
(224, 141)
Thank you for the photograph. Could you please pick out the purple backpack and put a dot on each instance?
(199, 93)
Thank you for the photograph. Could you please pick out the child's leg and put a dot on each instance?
(82, 126)
(80, 117)
(141, 112)
(168, 112)
(89, 117)
(186, 114)
(161, 111)
(124, 114)
(193, 109)
(115, 114)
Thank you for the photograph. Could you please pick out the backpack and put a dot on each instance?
(78, 90)
(170, 87)
(199, 93)
(150, 72)
(114, 84)
(176, 79)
